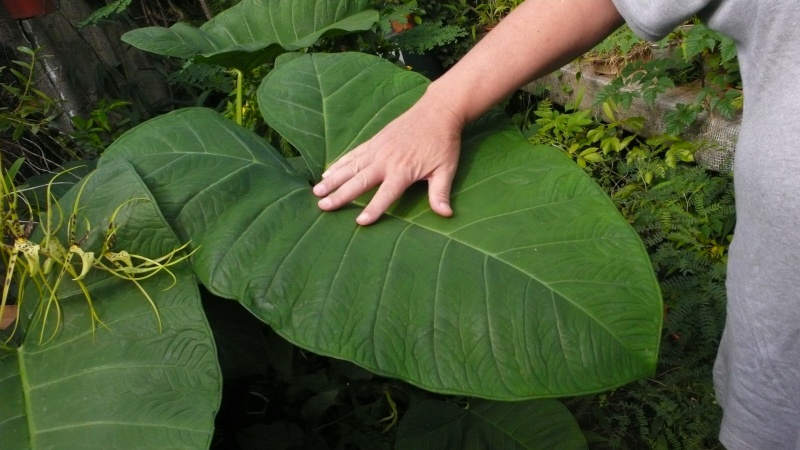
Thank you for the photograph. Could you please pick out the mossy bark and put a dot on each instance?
(83, 65)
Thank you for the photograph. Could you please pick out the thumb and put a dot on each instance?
(439, 192)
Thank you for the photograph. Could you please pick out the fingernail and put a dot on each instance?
(363, 217)
(319, 190)
(325, 174)
(324, 203)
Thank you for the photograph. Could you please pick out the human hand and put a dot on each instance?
(421, 144)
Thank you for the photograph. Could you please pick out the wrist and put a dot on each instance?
(439, 98)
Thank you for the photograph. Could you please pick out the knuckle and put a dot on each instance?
(441, 192)
(353, 166)
(363, 181)
(388, 192)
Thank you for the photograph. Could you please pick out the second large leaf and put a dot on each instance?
(255, 31)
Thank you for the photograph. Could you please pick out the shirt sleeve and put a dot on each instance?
(654, 19)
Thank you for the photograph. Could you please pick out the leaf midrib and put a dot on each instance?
(26, 396)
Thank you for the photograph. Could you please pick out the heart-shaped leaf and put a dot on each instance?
(536, 288)
(253, 32)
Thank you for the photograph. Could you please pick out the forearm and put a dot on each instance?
(537, 38)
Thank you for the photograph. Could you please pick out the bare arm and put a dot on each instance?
(535, 39)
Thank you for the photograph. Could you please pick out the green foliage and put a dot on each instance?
(264, 211)
(228, 40)
(49, 261)
(621, 42)
(218, 6)
(715, 54)
(685, 216)
(65, 380)
(93, 134)
(458, 13)
(441, 425)
(106, 12)
(244, 37)
(699, 40)
(685, 220)
(31, 103)
(405, 12)
(256, 231)
(571, 131)
(491, 12)
(30, 126)
(157, 12)
(427, 36)
(619, 49)
(322, 135)
(203, 78)
(27, 115)
(682, 117)
(645, 79)
(692, 53)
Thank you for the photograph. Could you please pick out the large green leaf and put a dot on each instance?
(126, 385)
(536, 288)
(526, 209)
(486, 425)
(311, 102)
(255, 31)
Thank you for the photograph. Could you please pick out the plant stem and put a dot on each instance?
(206, 10)
(239, 89)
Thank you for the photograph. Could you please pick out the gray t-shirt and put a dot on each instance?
(757, 373)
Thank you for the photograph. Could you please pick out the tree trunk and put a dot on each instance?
(82, 65)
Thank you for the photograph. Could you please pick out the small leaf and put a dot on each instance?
(727, 49)
(26, 50)
(23, 64)
(22, 77)
(18, 131)
(608, 112)
(593, 157)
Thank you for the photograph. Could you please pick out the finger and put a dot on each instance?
(439, 186)
(347, 159)
(390, 190)
(337, 175)
(351, 189)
